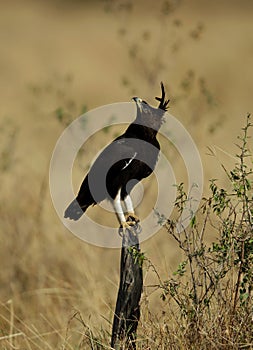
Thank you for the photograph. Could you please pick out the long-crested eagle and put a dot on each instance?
(131, 156)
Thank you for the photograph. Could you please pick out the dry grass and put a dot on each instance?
(58, 292)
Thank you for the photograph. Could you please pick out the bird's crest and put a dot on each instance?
(163, 103)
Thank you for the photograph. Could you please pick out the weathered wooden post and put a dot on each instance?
(127, 312)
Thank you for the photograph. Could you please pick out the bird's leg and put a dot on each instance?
(131, 217)
(125, 225)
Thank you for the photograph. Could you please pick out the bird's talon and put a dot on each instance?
(131, 223)
(131, 217)
(132, 226)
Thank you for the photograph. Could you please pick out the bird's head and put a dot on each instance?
(150, 116)
(138, 101)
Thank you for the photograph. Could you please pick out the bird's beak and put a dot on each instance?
(138, 101)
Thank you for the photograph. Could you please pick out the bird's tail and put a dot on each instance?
(81, 203)
(74, 211)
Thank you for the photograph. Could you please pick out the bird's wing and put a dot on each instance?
(120, 153)
(110, 167)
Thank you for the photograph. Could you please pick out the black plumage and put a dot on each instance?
(131, 156)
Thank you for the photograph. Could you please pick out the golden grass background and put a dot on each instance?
(67, 55)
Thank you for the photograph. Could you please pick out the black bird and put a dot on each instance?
(131, 156)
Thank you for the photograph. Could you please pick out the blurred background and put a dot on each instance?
(61, 58)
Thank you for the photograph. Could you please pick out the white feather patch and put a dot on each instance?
(129, 162)
(118, 208)
(129, 204)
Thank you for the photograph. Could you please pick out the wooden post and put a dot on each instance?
(127, 312)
